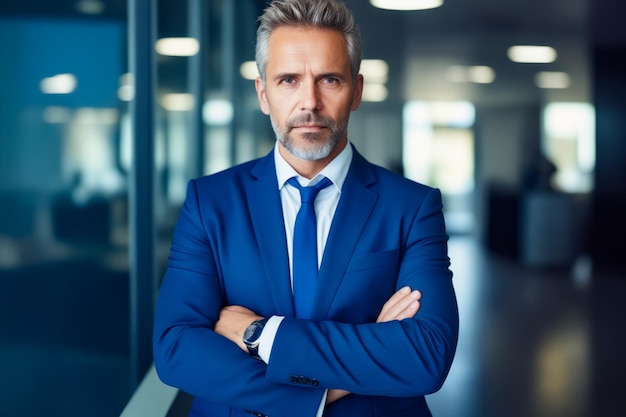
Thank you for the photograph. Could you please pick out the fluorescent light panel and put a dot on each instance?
(552, 79)
(406, 4)
(58, 84)
(375, 70)
(177, 101)
(374, 92)
(532, 54)
(248, 70)
(479, 74)
(177, 46)
(217, 112)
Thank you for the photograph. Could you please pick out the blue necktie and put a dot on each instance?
(305, 248)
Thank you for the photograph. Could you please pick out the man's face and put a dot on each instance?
(309, 92)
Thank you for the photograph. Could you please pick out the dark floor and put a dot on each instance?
(64, 340)
(533, 342)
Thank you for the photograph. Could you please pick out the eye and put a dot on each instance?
(288, 80)
(331, 80)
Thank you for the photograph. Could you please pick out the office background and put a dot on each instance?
(100, 131)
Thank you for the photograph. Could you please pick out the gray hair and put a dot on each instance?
(321, 14)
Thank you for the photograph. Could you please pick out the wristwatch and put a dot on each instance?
(252, 335)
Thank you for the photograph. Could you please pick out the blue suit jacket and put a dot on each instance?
(229, 248)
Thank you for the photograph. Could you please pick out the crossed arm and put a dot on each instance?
(234, 320)
(191, 352)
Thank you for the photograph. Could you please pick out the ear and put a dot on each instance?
(262, 95)
(358, 93)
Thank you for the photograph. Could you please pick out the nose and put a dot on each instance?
(310, 97)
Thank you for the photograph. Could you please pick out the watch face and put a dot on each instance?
(253, 332)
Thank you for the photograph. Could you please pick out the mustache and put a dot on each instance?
(310, 118)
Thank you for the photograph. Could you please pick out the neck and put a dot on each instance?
(309, 169)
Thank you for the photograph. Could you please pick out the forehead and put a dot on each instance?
(291, 47)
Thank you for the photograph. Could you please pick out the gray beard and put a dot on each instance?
(318, 148)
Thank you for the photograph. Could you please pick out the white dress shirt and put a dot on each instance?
(325, 206)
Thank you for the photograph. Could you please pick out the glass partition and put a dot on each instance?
(64, 299)
(66, 192)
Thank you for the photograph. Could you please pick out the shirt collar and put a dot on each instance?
(336, 170)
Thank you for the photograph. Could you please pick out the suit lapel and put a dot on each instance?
(355, 206)
(269, 229)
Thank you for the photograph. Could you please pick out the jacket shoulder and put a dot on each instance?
(237, 174)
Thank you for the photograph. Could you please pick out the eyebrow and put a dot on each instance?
(281, 75)
(333, 75)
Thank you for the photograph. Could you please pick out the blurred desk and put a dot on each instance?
(539, 228)
(549, 234)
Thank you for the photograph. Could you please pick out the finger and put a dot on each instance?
(405, 306)
(394, 299)
(399, 295)
(407, 309)
(409, 312)
(402, 303)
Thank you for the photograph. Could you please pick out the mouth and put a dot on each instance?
(309, 128)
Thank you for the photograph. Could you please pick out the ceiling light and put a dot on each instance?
(552, 79)
(248, 70)
(406, 4)
(375, 70)
(217, 112)
(374, 92)
(58, 84)
(177, 46)
(532, 54)
(177, 101)
(479, 74)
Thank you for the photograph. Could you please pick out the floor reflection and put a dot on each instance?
(525, 345)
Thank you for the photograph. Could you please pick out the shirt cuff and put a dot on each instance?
(266, 341)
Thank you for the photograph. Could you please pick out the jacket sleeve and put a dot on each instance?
(188, 354)
(404, 358)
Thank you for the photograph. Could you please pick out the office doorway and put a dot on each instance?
(438, 150)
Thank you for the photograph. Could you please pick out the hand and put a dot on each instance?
(233, 322)
(404, 304)
(334, 394)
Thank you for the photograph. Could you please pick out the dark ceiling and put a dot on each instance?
(420, 45)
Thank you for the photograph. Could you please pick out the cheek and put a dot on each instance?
(341, 105)
(342, 112)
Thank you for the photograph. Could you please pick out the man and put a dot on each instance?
(233, 327)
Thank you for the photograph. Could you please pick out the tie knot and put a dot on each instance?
(308, 194)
